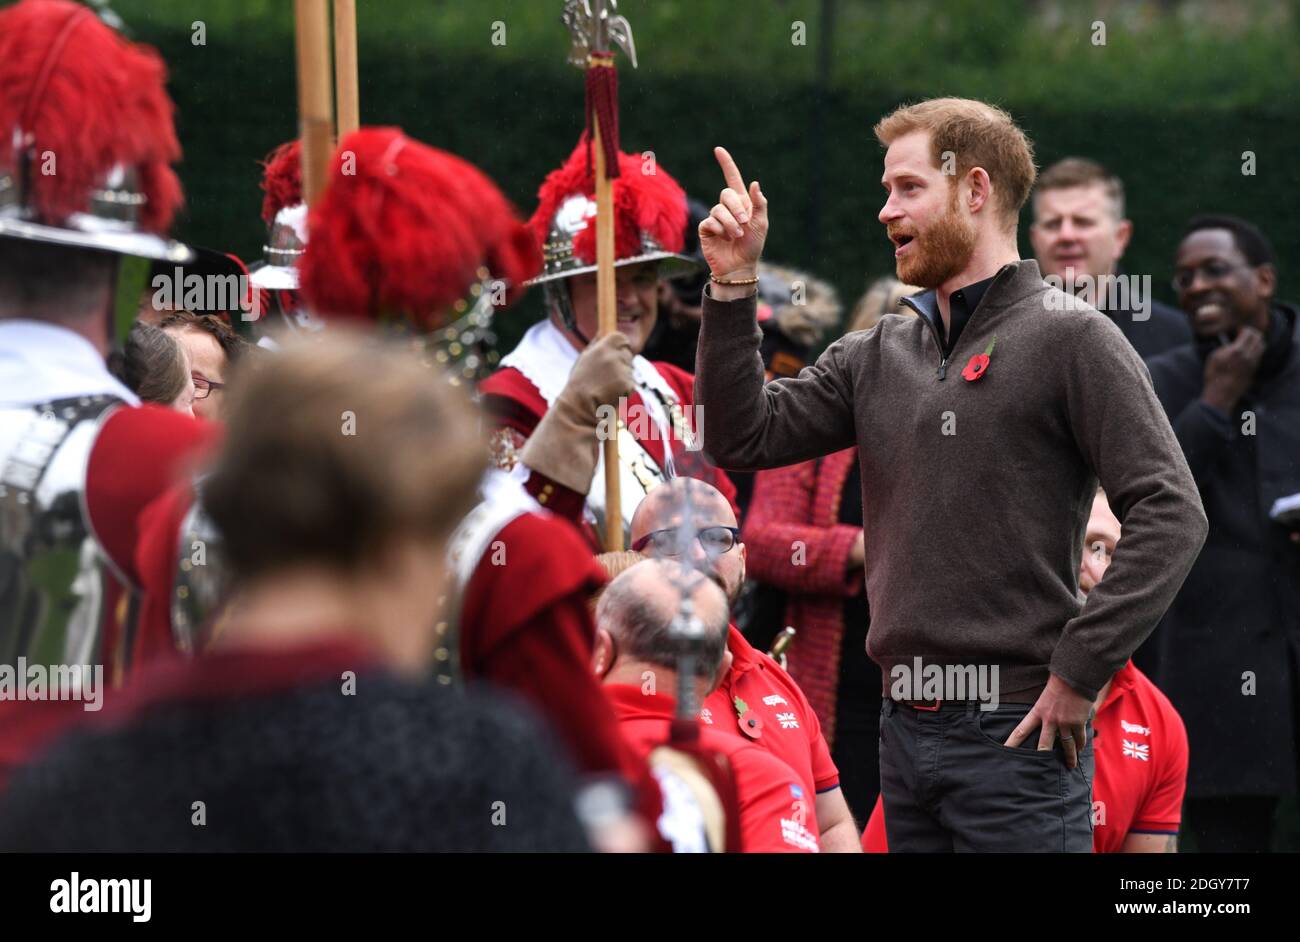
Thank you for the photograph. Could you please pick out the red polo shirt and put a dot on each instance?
(1141, 767)
(786, 726)
(1141, 748)
(777, 814)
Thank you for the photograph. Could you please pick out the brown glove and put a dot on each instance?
(564, 447)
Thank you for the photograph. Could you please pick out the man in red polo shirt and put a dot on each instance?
(636, 657)
(692, 521)
(1140, 742)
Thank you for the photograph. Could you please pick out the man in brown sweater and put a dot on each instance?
(983, 427)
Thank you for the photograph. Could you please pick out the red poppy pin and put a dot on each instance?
(750, 724)
(979, 363)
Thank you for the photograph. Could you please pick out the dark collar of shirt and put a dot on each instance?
(961, 305)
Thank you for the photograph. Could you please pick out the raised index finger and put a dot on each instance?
(730, 172)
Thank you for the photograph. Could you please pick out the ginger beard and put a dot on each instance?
(938, 252)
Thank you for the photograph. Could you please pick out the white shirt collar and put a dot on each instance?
(41, 362)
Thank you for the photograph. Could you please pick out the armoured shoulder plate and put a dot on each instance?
(200, 579)
(51, 567)
(501, 500)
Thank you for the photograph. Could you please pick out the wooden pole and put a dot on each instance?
(607, 323)
(345, 66)
(315, 101)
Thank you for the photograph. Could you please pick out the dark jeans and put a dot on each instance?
(950, 785)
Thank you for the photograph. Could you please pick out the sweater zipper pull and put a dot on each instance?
(943, 369)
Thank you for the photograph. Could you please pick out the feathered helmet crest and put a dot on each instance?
(406, 230)
(285, 216)
(649, 217)
(86, 135)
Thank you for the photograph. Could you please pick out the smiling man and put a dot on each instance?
(1007, 446)
(1234, 401)
(1080, 234)
(541, 379)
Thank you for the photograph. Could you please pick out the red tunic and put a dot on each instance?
(516, 407)
(526, 625)
(157, 558)
(138, 454)
(777, 814)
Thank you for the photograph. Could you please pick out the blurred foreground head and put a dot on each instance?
(346, 465)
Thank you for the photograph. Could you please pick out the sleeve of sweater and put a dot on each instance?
(749, 426)
(785, 547)
(1121, 430)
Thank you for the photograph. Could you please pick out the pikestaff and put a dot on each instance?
(315, 99)
(316, 124)
(345, 66)
(594, 25)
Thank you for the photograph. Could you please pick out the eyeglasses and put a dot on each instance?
(675, 540)
(1214, 269)
(203, 387)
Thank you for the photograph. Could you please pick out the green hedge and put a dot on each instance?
(515, 110)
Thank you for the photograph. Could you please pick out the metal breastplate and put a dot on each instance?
(201, 579)
(52, 576)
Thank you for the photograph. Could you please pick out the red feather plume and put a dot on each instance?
(407, 232)
(281, 179)
(644, 202)
(89, 100)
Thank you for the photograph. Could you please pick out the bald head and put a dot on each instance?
(692, 505)
(666, 506)
(639, 607)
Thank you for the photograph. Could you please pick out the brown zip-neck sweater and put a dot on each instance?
(976, 494)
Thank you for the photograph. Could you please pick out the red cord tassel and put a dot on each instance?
(602, 100)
